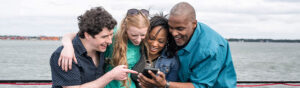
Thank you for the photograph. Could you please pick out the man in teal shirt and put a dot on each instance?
(204, 55)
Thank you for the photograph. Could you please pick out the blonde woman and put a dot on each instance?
(126, 47)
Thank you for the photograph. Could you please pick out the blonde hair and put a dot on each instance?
(119, 55)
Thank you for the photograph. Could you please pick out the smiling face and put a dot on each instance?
(136, 35)
(181, 29)
(157, 40)
(101, 40)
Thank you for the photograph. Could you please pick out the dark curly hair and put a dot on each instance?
(161, 20)
(94, 20)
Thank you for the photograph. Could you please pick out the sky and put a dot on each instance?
(272, 19)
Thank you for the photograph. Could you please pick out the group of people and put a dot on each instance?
(188, 54)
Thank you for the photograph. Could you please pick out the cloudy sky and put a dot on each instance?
(276, 19)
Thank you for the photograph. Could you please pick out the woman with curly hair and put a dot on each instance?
(125, 49)
(161, 54)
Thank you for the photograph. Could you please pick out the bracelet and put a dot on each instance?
(167, 85)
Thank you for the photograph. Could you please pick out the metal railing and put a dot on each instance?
(240, 83)
(48, 81)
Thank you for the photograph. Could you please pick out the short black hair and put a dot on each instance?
(94, 20)
(161, 20)
(184, 9)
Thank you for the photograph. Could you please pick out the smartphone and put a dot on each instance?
(145, 72)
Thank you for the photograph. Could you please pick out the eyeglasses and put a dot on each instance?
(136, 11)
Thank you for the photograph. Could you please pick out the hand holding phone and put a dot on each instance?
(145, 72)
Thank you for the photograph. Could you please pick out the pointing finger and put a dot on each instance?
(130, 71)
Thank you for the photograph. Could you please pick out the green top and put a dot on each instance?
(133, 55)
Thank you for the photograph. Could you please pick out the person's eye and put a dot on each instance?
(104, 36)
(151, 38)
(161, 41)
(180, 28)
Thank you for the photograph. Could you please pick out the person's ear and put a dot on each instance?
(87, 35)
(194, 24)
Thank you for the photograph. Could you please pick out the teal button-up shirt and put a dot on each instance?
(206, 60)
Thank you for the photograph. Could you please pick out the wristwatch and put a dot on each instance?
(167, 85)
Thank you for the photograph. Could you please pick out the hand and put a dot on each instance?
(121, 72)
(145, 82)
(66, 57)
(158, 81)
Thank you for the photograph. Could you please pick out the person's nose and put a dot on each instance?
(143, 37)
(174, 33)
(154, 44)
(138, 39)
(109, 40)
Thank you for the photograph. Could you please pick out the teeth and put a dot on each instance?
(177, 37)
(153, 49)
(103, 45)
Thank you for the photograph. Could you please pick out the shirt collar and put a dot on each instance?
(192, 42)
(164, 53)
(78, 46)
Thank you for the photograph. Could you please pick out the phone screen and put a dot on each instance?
(145, 72)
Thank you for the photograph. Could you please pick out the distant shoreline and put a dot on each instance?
(56, 38)
(263, 40)
(6, 37)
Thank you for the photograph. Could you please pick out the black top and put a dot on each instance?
(83, 72)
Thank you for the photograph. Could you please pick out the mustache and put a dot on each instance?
(178, 36)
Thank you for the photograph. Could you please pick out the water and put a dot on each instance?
(29, 60)
(266, 61)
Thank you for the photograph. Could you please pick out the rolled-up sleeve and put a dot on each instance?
(62, 78)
